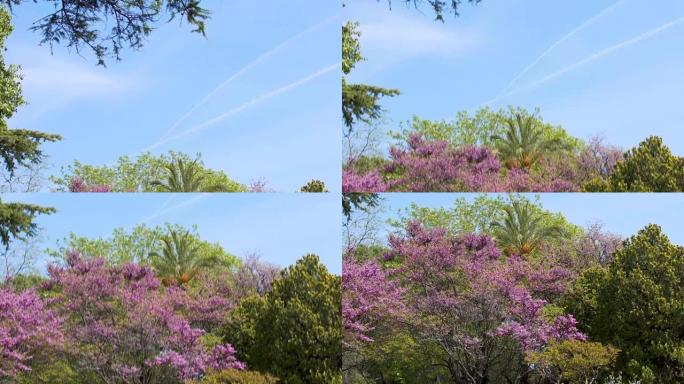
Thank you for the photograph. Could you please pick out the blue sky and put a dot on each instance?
(614, 70)
(278, 120)
(621, 213)
(281, 227)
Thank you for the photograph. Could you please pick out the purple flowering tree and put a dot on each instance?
(120, 328)
(27, 329)
(482, 311)
(77, 184)
(369, 295)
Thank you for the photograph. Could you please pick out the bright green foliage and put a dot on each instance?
(314, 186)
(17, 221)
(650, 167)
(640, 307)
(137, 245)
(480, 128)
(233, 376)
(81, 24)
(360, 102)
(18, 147)
(522, 143)
(56, 372)
(184, 175)
(522, 230)
(145, 173)
(395, 357)
(574, 361)
(351, 49)
(479, 215)
(181, 257)
(294, 332)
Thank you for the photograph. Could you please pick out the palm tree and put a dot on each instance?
(180, 259)
(521, 231)
(522, 143)
(183, 175)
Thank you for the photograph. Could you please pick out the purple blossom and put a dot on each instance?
(369, 182)
(77, 184)
(121, 321)
(27, 327)
(369, 295)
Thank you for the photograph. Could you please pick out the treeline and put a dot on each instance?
(502, 291)
(161, 305)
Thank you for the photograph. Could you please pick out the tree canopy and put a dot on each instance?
(18, 147)
(82, 24)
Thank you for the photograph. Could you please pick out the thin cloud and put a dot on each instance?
(401, 37)
(598, 55)
(45, 74)
(558, 42)
(264, 57)
(255, 101)
(165, 209)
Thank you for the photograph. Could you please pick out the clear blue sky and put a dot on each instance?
(620, 75)
(281, 227)
(287, 138)
(621, 213)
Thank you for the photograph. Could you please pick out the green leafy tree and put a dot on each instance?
(18, 147)
(233, 376)
(639, 307)
(358, 201)
(17, 221)
(314, 186)
(180, 258)
(522, 144)
(649, 167)
(142, 174)
(293, 332)
(480, 128)
(360, 102)
(574, 361)
(183, 175)
(81, 24)
(522, 230)
(137, 245)
(479, 215)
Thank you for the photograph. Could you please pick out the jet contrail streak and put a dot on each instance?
(265, 56)
(163, 211)
(559, 42)
(251, 103)
(594, 57)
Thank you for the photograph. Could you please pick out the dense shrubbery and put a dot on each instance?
(498, 291)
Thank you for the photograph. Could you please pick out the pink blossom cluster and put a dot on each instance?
(369, 295)
(77, 184)
(27, 326)
(119, 322)
(458, 282)
(434, 166)
(355, 182)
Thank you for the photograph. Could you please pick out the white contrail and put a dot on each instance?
(594, 57)
(553, 46)
(248, 104)
(163, 211)
(265, 56)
